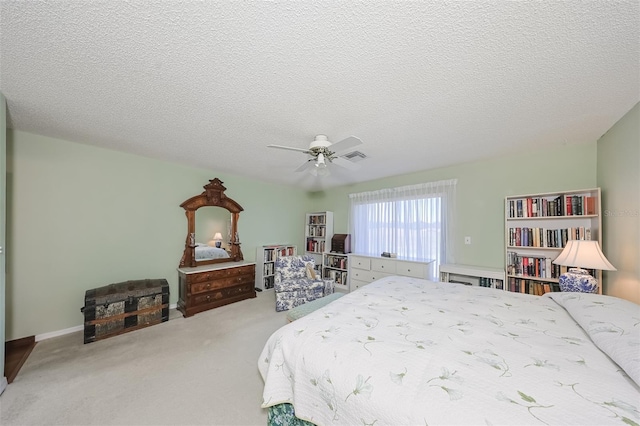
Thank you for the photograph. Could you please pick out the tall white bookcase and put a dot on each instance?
(318, 231)
(537, 227)
(266, 257)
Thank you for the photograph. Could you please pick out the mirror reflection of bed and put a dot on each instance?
(209, 222)
(206, 252)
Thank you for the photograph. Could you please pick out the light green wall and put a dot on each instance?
(81, 217)
(619, 178)
(481, 189)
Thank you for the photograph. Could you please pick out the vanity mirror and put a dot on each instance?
(216, 213)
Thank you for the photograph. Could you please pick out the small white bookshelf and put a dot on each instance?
(472, 275)
(266, 257)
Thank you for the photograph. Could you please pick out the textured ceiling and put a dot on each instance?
(423, 84)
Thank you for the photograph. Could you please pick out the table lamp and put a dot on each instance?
(218, 239)
(579, 254)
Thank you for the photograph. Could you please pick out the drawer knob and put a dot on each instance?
(208, 297)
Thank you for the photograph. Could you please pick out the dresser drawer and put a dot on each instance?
(220, 283)
(384, 265)
(359, 274)
(356, 284)
(411, 269)
(367, 276)
(221, 294)
(220, 273)
(360, 262)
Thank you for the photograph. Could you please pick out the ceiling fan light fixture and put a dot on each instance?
(323, 152)
(320, 162)
(320, 170)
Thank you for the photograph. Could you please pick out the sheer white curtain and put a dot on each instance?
(414, 221)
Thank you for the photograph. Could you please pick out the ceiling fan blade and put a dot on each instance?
(306, 165)
(345, 144)
(290, 148)
(345, 163)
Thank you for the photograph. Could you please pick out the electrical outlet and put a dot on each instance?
(467, 240)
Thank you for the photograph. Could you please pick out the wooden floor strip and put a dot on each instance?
(16, 353)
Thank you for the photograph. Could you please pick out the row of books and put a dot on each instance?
(336, 262)
(520, 285)
(340, 277)
(539, 267)
(317, 219)
(490, 282)
(267, 269)
(528, 266)
(541, 237)
(315, 246)
(579, 205)
(571, 205)
(268, 282)
(270, 254)
(316, 231)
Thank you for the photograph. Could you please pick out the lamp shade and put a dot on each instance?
(217, 238)
(583, 254)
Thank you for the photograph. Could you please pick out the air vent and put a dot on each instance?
(355, 156)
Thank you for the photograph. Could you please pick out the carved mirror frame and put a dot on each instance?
(214, 196)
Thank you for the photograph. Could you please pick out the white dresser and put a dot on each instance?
(366, 269)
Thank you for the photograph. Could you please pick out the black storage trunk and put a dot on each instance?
(121, 307)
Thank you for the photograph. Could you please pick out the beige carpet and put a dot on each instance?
(200, 370)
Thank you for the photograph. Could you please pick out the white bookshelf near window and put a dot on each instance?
(472, 275)
(335, 267)
(266, 257)
(537, 227)
(318, 233)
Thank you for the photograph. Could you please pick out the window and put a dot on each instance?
(413, 221)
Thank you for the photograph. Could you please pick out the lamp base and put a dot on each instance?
(218, 244)
(578, 280)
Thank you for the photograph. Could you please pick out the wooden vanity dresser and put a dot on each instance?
(206, 283)
(209, 286)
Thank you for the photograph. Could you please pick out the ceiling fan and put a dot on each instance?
(324, 153)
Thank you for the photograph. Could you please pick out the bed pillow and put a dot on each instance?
(613, 324)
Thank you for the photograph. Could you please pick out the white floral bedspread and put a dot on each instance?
(404, 351)
(204, 252)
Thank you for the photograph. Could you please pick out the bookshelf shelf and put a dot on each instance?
(535, 248)
(472, 275)
(538, 226)
(266, 257)
(335, 266)
(318, 231)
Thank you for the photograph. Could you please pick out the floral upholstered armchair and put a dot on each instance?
(296, 282)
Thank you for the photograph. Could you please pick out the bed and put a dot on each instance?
(206, 252)
(406, 351)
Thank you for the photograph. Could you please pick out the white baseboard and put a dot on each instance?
(51, 334)
(45, 336)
